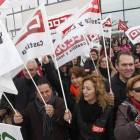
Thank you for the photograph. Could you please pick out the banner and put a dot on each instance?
(9, 56)
(10, 132)
(107, 25)
(5, 4)
(122, 26)
(134, 34)
(7, 85)
(87, 21)
(56, 20)
(69, 49)
(34, 39)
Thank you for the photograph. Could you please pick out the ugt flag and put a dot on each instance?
(107, 25)
(122, 26)
(10, 132)
(9, 56)
(133, 34)
(55, 21)
(87, 21)
(67, 50)
(34, 39)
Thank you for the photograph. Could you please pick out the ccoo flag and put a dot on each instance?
(122, 26)
(34, 39)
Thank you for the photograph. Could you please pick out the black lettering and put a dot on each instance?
(81, 24)
(24, 52)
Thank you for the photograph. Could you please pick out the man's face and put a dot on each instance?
(46, 92)
(138, 49)
(63, 68)
(94, 55)
(126, 66)
(31, 68)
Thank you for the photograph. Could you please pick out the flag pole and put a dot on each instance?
(9, 103)
(35, 85)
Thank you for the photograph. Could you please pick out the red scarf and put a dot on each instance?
(73, 90)
(136, 104)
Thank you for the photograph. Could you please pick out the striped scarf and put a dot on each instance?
(47, 121)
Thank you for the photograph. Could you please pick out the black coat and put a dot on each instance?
(106, 120)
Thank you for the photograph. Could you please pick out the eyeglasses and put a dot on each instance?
(136, 89)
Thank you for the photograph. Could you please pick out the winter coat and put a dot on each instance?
(34, 120)
(88, 66)
(125, 124)
(105, 121)
(113, 72)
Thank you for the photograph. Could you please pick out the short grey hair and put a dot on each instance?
(32, 61)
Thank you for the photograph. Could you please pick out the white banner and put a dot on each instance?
(7, 85)
(107, 26)
(5, 4)
(9, 56)
(134, 34)
(10, 132)
(84, 22)
(34, 39)
(69, 49)
(55, 21)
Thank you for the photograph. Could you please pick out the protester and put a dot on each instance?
(137, 64)
(76, 75)
(102, 68)
(126, 69)
(138, 50)
(128, 115)
(45, 122)
(93, 114)
(74, 62)
(116, 50)
(125, 46)
(89, 66)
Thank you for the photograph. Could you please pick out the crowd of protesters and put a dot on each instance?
(97, 108)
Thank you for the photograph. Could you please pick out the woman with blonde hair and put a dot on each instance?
(128, 115)
(101, 70)
(93, 115)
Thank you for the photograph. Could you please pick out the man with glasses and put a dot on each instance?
(126, 69)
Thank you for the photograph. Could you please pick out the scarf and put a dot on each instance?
(104, 72)
(136, 104)
(73, 90)
(47, 121)
(89, 113)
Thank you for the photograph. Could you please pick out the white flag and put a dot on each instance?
(87, 21)
(55, 21)
(10, 132)
(9, 56)
(3, 13)
(7, 85)
(67, 50)
(34, 39)
(107, 26)
(23, 2)
(5, 4)
(134, 34)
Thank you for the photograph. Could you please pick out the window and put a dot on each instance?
(131, 4)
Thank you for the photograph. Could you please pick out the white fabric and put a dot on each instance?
(34, 39)
(9, 132)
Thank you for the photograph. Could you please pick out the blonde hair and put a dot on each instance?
(101, 94)
(130, 84)
(109, 62)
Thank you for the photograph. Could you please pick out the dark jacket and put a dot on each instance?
(34, 120)
(125, 124)
(26, 92)
(89, 66)
(106, 120)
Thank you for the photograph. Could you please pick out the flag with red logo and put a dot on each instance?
(67, 50)
(56, 20)
(133, 34)
(34, 39)
(107, 26)
(5, 4)
(87, 21)
(122, 26)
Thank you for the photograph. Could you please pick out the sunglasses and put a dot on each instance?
(136, 89)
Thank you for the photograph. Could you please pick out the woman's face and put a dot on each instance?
(124, 41)
(137, 63)
(135, 94)
(89, 92)
(103, 63)
(76, 81)
(116, 48)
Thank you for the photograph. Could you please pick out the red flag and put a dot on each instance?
(122, 26)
